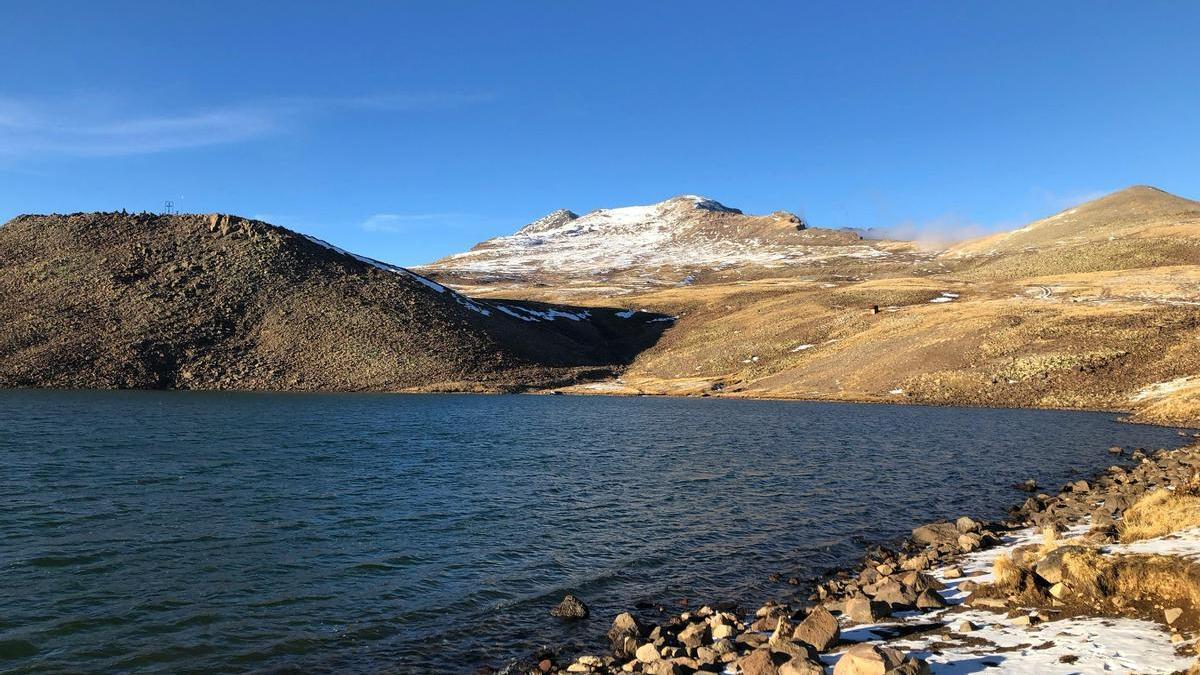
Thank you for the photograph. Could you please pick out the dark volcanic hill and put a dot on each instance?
(109, 300)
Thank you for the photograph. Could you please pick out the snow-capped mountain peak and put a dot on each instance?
(670, 238)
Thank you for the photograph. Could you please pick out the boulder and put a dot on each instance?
(694, 635)
(935, 533)
(1172, 614)
(862, 610)
(762, 662)
(802, 667)
(968, 542)
(647, 653)
(929, 599)
(869, 659)
(1050, 568)
(966, 525)
(820, 629)
(623, 636)
(571, 607)
(895, 594)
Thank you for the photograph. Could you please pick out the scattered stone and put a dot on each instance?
(967, 627)
(762, 662)
(571, 607)
(953, 572)
(862, 610)
(895, 594)
(1027, 485)
(869, 659)
(966, 525)
(1172, 615)
(723, 631)
(929, 599)
(624, 635)
(647, 653)
(694, 635)
(1025, 620)
(802, 667)
(968, 542)
(1058, 590)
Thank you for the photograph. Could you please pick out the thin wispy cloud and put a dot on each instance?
(1059, 201)
(398, 223)
(101, 126)
(936, 233)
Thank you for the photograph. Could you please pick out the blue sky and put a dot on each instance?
(407, 130)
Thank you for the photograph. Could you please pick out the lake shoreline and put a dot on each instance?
(1125, 415)
(895, 609)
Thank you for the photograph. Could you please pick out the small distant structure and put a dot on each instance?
(168, 207)
(874, 309)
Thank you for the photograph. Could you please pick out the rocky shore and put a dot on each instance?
(1102, 576)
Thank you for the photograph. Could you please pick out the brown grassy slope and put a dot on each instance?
(187, 301)
(1123, 334)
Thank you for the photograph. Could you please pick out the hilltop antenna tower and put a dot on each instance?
(168, 207)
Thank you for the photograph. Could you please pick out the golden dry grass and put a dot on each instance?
(1050, 541)
(1159, 513)
(1132, 577)
(1005, 572)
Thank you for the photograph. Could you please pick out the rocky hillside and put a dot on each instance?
(112, 300)
(680, 241)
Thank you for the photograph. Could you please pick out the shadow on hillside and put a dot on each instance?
(569, 335)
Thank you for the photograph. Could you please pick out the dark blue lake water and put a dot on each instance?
(193, 532)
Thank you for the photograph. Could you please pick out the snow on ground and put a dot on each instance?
(610, 386)
(521, 312)
(1185, 544)
(946, 296)
(800, 348)
(1090, 644)
(1162, 389)
(386, 267)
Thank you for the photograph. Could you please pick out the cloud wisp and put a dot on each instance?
(98, 126)
(399, 223)
(936, 233)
